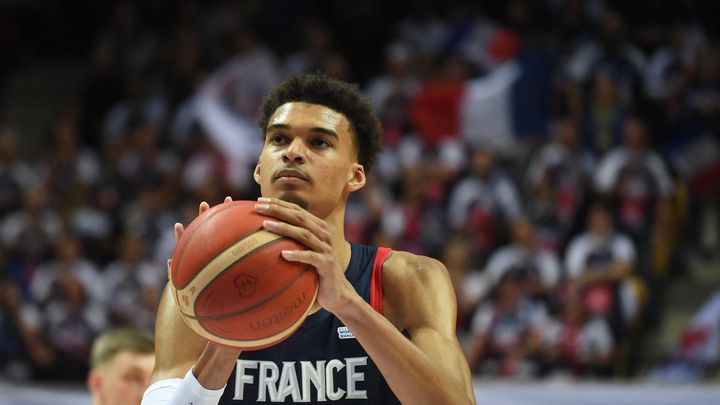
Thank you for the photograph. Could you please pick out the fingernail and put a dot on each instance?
(270, 225)
(288, 253)
(169, 263)
(264, 199)
(262, 206)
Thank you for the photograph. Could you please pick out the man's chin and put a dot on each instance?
(295, 198)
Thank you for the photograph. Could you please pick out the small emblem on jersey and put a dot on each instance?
(344, 333)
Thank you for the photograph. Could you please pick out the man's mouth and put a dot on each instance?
(290, 174)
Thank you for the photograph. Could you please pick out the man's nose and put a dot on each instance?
(295, 152)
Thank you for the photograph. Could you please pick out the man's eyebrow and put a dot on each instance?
(325, 131)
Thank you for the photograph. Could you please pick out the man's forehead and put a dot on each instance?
(299, 111)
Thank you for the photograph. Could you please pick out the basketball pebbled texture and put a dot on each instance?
(232, 285)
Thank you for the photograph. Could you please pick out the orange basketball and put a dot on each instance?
(231, 283)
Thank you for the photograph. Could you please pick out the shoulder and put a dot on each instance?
(416, 289)
(414, 270)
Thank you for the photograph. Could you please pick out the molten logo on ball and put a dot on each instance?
(245, 285)
(278, 317)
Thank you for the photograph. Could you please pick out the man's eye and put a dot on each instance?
(320, 143)
(277, 139)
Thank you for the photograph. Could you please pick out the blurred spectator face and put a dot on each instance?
(452, 70)
(71, 292)
(482, 162)
(122, 380)
(568, 132)
(336, 66)
(600, 221)
(612, 26)
(317, 39)
(634, 134)
(8, 146)
(132, 249)
(398, 58)
(9, 295)
(604, 89)
(125, 16)
(68, 250)
(65, 135)
(708, 65)
(509, 292)
(523, 233)
(34, 201)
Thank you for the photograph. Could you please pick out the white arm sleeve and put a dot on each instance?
(176, 391)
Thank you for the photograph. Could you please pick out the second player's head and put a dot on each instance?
(321, 137)
(121, 363)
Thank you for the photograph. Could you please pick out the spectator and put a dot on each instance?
(133, 285)
(71, 320)
(539, 270)
(507, 332)
(69, 169)
(16, 175)
(23, 350)
(601, 267)
(483, 203)
(28, 235)
(558, 177)
(67, 262)
(638, 180)
(578, 342)
(393, 93)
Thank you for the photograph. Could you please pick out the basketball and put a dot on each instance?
(232, 285)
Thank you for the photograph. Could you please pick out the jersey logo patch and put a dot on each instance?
(344, 333)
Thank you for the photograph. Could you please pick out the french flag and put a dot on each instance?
(510, 102)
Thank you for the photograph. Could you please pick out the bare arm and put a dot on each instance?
(420, 301)
(178, 348)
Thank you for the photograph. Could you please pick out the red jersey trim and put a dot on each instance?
(376, 289)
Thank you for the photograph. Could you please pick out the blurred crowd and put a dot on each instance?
(555, 155)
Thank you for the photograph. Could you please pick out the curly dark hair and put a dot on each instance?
(338, 96)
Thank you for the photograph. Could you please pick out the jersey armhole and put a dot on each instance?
(376, 289)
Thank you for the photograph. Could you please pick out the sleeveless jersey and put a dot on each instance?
(322, 361)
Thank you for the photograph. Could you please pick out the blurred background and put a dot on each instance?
(561, 157)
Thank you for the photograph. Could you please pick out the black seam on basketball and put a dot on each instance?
(251, 307)
(192, 235)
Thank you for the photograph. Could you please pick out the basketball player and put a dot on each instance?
(384, 328)
(121, 363)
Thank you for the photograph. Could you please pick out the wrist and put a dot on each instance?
(350, 307)
(215, 365)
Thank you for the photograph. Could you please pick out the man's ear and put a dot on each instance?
(256, 173)
(94, 381)
(357, 179)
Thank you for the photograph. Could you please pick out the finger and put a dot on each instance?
(297, 216)
(304, 256)
(302, 235)
(178, 231)
(228, 199)
(203, 207)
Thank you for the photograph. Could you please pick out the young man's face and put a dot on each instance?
(309, 158)
(122, 380)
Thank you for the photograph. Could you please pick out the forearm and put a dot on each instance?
(410, 373)
(202, 385)
(215, 365)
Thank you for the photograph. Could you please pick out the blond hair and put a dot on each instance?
(109, 344)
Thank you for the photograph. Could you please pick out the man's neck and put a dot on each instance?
(336, 225)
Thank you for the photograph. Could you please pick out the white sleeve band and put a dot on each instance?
(176, 391)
